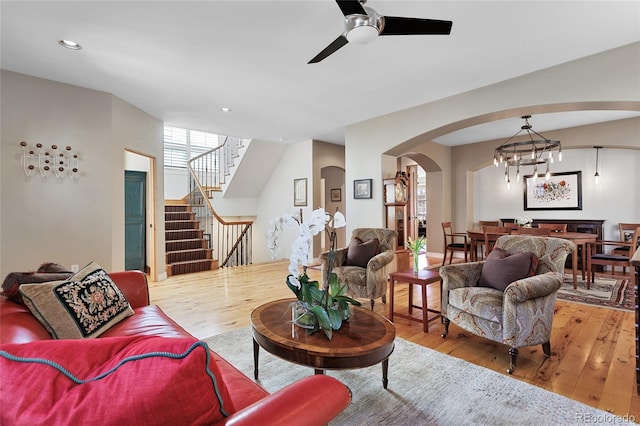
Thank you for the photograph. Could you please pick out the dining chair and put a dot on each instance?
(480, 243)
(488, 223)
(609, 258)
(539, 232)
(452, 244)
(491, 235)
(554, 227)
(511, 225)
(626, 235)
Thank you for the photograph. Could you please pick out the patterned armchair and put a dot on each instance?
(520, 316)
(369, 282)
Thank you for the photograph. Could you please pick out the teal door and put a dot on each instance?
(134, 220)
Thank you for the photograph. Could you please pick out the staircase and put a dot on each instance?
(187, 249)
(231, 239)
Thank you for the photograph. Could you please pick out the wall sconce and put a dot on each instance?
(61, 163)
(597, 175)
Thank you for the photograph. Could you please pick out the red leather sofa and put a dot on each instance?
(314, 400)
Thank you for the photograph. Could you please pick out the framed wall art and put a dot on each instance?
(362, 188)
(336, 194)
(563, 191)
(300, 192)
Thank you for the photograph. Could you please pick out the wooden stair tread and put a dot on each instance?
(189, 262)
(185, 240)
(184, 221)
(188, 250)
(191, 252)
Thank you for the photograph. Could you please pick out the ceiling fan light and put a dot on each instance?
(69, 44)
(362, 34)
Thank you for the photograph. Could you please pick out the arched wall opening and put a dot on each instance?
(333, 199)
(457, 193)
(435, 195)
(606, 81)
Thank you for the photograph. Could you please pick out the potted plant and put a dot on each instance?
(523, 221)
(416, 246)
(316, 308)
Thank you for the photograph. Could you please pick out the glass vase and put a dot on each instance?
(416, 261)
(302, 316)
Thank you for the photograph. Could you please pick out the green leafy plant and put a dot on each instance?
(317, 308)
(416, 246)
(321, 309)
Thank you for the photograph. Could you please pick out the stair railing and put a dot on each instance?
(230, 240)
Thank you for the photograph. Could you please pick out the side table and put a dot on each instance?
(422, 278)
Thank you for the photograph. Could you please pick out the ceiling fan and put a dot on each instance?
(362, 24)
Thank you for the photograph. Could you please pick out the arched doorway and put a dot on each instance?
(333, 198)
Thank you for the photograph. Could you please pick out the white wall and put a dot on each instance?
(70, 221)
(136, 131)
(176, 183)
(277, 199)
(609, 80)
(611, 200)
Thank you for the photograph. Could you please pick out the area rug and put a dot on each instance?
(425, 387)
(608, 292)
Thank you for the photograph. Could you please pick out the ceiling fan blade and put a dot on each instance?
(394, 25)
(350, 7)
(335, 45)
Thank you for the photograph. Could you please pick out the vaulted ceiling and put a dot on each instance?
(184, 61)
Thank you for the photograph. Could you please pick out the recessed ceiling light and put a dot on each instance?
(225, 109)
(70, 44)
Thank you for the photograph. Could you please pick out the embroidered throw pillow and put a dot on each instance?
(360, 252)
(83, 306)
(501, 268)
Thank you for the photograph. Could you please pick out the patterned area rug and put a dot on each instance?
(426, 387)
(607, 292)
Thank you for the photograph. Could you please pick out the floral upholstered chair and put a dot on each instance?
(362, 266)
(519, 312)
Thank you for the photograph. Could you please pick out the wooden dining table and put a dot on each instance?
(580, 239)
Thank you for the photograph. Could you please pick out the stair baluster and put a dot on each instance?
(231, 239)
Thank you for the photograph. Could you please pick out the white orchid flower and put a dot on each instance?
(293, 280)
(300, 252)
(317, 221)
(288, 220)
(338, 220)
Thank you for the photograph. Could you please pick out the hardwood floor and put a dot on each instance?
(593, 349)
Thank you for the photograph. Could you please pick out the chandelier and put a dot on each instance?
(536, 152)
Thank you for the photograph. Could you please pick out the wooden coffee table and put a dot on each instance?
(364, 340)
